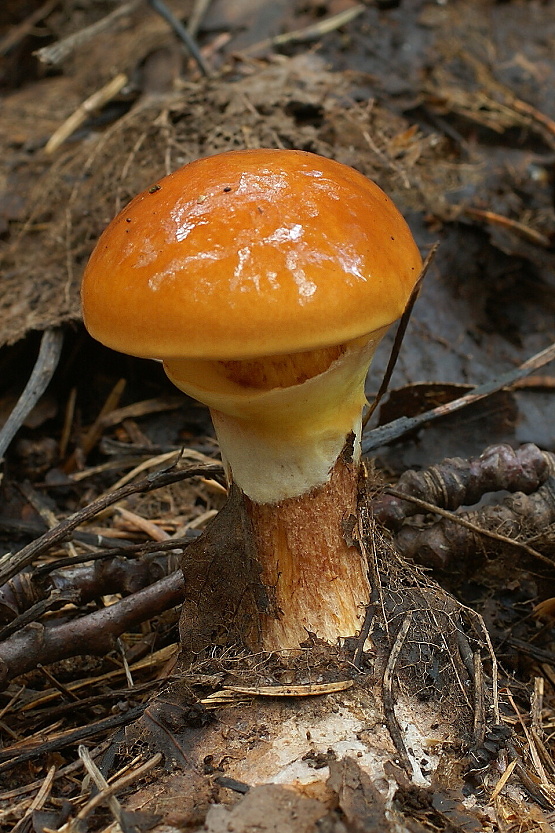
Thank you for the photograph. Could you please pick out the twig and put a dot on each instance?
(55, 53)
(399, 336)
(38, 800)
(110, 405)
(94, 633)
(47, 361)
(314, 32)
(479, 727)
(138, 409)
(118, 579)
(17, 33)
(536, 790)
(486, 79)
(69, 769)
(69, 696)
(155, 659)
(69, 413)
(503, 780)
(12, 563)
(369, 617)
(128, 674)
(483, 633)
(31, 529)
(536, 707)
(106, 792)
(158, 460)
(532, 651)
(43, 510)
(385, 434)
(101, 699)
(535, 114)
(94, 102)
(200, 8)
(388, 699)
(182, 33)
(11, 702)
(304, 690)
(370, 613)
(68, 738)
(512, 225)
(531, 745)
(55, 598)
(143, 524)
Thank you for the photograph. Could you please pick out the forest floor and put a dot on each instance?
(108, 474)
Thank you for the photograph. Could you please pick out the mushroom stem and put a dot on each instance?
(289, 430)
(315, 582)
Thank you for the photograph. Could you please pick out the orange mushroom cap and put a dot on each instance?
(250, 253)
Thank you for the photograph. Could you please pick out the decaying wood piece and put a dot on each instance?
(523, 519)
(96, 578)
(457, 482)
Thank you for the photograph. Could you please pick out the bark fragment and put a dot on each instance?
(458, 482)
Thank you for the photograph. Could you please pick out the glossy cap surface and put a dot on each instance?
(250, 253)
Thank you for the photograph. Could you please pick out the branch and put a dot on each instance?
(83, 582)
(92, 634)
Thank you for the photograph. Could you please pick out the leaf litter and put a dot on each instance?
(430, 143)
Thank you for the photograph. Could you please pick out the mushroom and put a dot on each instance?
(264, 280)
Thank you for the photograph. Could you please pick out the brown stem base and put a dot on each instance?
(315, 582)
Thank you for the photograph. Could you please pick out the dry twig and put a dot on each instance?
(16, 33)
(56, 53)
(12, 563)
(184, 35)
(384, 434)
(94, 102)
(393, 726)
(47, 361)
(11, 757)
(94, 633)
(399, 335)
(107, 794)
(309, 33)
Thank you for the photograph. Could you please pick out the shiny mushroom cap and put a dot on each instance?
(250, 253)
